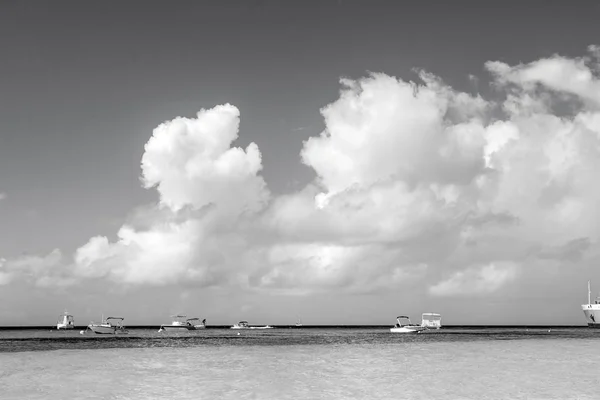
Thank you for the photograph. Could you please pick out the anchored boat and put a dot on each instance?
(592, 311)
(108, 326)
(194, 324)
(403, 325)
(245, 325)
(431, 321)
(65, 321)
(179, 324)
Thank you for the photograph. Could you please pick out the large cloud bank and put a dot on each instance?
(415, 182)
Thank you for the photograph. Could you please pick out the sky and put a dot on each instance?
(342, 162)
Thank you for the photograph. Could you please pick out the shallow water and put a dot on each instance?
(303, 363)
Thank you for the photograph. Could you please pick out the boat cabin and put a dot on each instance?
(431, 320)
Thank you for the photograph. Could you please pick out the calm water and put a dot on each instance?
(302, 363)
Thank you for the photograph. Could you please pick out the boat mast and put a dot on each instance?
(589, 294)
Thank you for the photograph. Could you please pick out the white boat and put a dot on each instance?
(65, 321)
(592, 311)
(245, 325)
(179, 324)
(431, 321)
(408, 327)
(194, 324)
(299, 323)
(108, 326)
(241, 325)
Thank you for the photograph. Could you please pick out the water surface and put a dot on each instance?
(302, 363)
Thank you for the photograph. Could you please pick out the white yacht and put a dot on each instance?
(431, 321)
(110, 326)
(406, 327)
(592, 311)
(194, 324)
(179, 324)
(65, 321)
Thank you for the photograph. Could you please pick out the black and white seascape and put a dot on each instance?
(336, 199)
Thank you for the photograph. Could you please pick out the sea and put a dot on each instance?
(302, 363)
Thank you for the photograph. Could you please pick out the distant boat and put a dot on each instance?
(592, 311)
(65, 321)
(299, 323)
(431, 321)
(408, 327)
(179, 324)
(241, 325)
(245, 325)
(108, 326)
(194, 324)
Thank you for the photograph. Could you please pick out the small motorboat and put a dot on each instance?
(241, 325)
(402, 327)
(65, 321)
(179, 324)
(194, 324)
(108, 326)
(245, 325)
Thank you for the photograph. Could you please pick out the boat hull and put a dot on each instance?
(106, 330)
(62, 326)
(252, 327)
(176, 328)
(592, 314)
(407, 329)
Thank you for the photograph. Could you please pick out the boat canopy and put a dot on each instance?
(402, 316)
(178, 316)
(121, 318)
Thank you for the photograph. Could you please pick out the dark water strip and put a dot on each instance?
(283, 337)
(462, 327)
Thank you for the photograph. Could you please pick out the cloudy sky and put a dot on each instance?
(339, 161)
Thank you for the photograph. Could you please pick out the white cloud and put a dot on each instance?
(415, 183)
(476, 281)
(193, 167)
(575, 76)
(191, 163)
(42, 271)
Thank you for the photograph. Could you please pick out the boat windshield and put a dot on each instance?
(403, 320)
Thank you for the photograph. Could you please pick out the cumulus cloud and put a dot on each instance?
(208, 189)
(191, 163)
(416, 184)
